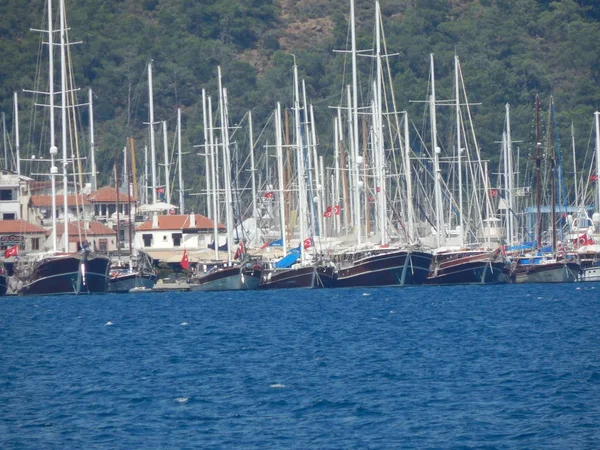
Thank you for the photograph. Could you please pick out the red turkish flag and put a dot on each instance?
(185, 262)
(336, 210)
(240, 251)
(13, 251)
(308, 243)
(269, 195)
(327, 212)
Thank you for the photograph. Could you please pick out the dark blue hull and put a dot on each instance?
(228, 279)
(123, 283)
(70, 274)
(476, 272)
(3, 285)
(302, 277)
(397, 268)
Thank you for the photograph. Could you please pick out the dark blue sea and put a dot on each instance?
(515, 366)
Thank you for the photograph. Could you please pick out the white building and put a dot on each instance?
(165, 237)
(14, 196)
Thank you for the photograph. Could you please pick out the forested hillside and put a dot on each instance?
(510, 50)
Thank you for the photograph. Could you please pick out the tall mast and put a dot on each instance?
(207, 152)
(63, 110)
(53, 148)
(152, 144)
(17, 147)
(131, 188)
(506, 176)
(6, 166)
(336, 190)
(379, 148)
(92, 144)
(308, 158)
(300, 155)
(436, 163)
(180, 171)
(167, 175)
(459, 154)
(510, 179)
(357, 223)
(226, 163)
(213, 174)
(132, 165)
(146, 174)
(128, 187)
(279, 145)
(552, 176)
(538, 174)
(253, 168)
(319, 183)
(407, 175)
(352, 210)
(116, 170)
(574, 164)
(597, 117)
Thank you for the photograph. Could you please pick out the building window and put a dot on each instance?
(35, 243)
(147, 240)
(6, 194)
(8, 216)
(176, 239)
(103, 245)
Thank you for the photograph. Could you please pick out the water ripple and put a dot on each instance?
(465, 367)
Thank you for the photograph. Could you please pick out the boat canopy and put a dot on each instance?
(287, 260)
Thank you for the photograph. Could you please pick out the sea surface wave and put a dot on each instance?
(514, 366)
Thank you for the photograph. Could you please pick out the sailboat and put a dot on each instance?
(57, 272)
(464, 264)
(544, 267)
(297, 269)
(138, 273)
(231, 275)
(366, 263)
(583, 229)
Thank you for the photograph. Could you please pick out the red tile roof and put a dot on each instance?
(95, 228)
(20, 227)
(180, 222)
(46, 200)
(108, 194)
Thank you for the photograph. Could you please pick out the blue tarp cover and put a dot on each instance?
(287, 260)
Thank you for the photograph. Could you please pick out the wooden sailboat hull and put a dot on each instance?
(397, 268)
(473, 272)
(590, 273)
(123, 283)
(70, 274)
(474, 267)
(556, 272)
(233, 278)
(301, 277)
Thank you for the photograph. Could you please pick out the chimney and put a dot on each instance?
(192, 220)
(155, 221)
